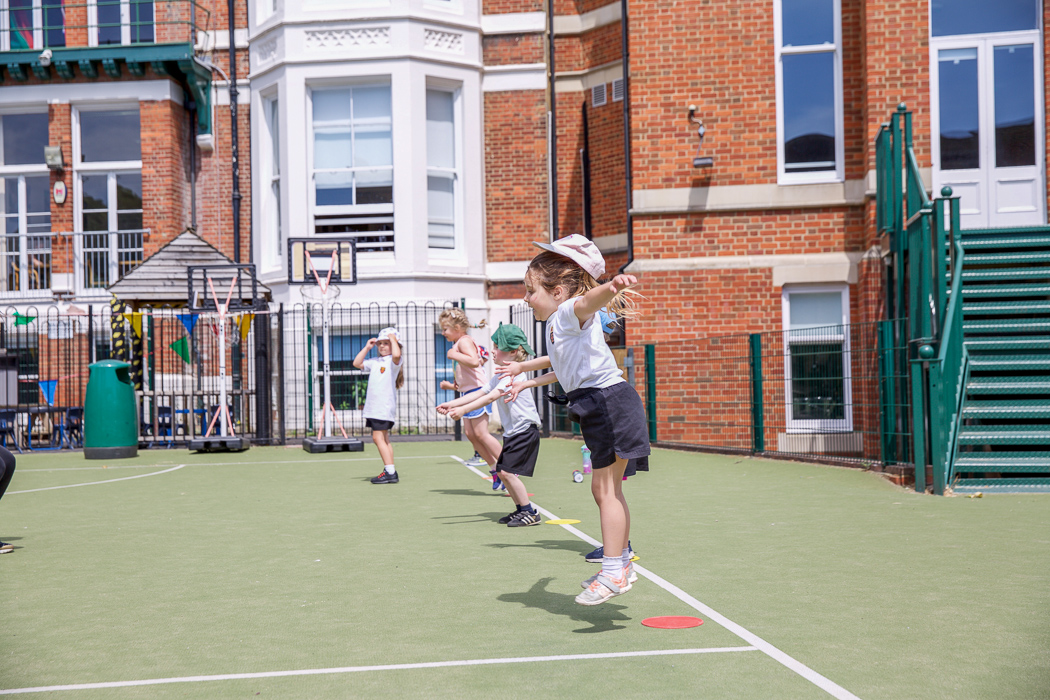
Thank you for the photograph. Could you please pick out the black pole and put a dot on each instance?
(626, 131)
(552, 121)
(233, 137)
(585, 167)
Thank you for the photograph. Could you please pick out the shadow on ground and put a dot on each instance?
(601, 618)
(567, 545)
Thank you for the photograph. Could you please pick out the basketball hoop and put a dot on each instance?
(312, 294)
(320, 266)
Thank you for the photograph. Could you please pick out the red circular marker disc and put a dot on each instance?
(672, 622)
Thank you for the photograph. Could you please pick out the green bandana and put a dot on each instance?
(509, 338)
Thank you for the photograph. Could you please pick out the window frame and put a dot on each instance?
(39, 37)
(20, 172)
(809, 426)
(273, 227)
(784, 177)
(455, 173)
(111, 169)
(125, 24)
(369, 213)
(355, 375)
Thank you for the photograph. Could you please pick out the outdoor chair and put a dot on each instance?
(9, 427)
(74, 427)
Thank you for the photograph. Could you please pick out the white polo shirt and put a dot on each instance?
(580, 356)
(381, 399)
(520, 413)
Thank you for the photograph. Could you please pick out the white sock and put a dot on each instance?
(612, 567)
(626, 557)
(389, 469)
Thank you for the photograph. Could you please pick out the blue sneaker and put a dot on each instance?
(595, 557)
(497, 484)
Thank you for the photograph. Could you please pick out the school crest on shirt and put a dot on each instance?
(552, 335)
(382, 370)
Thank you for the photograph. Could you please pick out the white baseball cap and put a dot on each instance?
(390, 332)
(580, 250)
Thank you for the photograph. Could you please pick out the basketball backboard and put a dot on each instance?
(307, 256)
(242, 277)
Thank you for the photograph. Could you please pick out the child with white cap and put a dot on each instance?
(385, 376)
(561, 286)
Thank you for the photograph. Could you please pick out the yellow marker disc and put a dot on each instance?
(562, 521)
(634, 558)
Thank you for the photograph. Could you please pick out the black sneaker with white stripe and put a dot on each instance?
(525, 518)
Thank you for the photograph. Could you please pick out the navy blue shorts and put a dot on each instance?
(613, 424)
(519, 452)
(376, 424)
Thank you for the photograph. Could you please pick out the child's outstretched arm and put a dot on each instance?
(465, 404)
(359, 361)
(540, 380)
(513, 369)
(395, 348)
(590, 303)
(467, 358)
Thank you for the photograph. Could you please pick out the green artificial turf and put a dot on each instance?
(277, 560)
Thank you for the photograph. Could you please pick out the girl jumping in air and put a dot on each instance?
(470, 378)
(561, 286)
(385, 376)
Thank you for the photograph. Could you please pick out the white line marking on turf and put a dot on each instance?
(210, 464)
(95, 483)
(762, 645)
(360, 669)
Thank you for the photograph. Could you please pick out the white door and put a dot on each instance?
(988, 127)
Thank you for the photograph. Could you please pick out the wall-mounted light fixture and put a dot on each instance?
(53, 157)
(698, 162)
(45, 58)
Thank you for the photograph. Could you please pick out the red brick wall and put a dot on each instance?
(510, 49)
(60, 134)
(165, 186)
(502, 7)
(515, 173)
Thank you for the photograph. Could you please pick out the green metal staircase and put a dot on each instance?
(1003, 438)
(976, 306)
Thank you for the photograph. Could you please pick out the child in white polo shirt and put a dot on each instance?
(521, 434)
(385, 376)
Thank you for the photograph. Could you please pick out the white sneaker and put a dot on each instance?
(631, 576)
(602, 589)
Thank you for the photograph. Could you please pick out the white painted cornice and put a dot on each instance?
(578, 24)
(581, 80)
(676, 200)
(789, 268)
(514, 23)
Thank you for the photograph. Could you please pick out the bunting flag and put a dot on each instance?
(182, 349)
(189, 321)
(135, 319)
(245, 324)
(21, 320)
(47, 388)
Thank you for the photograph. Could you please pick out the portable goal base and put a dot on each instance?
(317, 445)
(217, 443)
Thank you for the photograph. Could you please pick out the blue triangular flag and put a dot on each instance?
(48, 389)
(189, 321)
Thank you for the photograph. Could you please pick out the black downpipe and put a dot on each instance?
(585, 166)
(233, 136)
(552, 121)
(627, 130)
(193, 166)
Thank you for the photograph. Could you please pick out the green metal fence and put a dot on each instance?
(923, 239)
(830, 393)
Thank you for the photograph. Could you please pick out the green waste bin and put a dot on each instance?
(111, 427)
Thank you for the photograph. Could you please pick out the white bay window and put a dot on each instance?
(353, 165)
